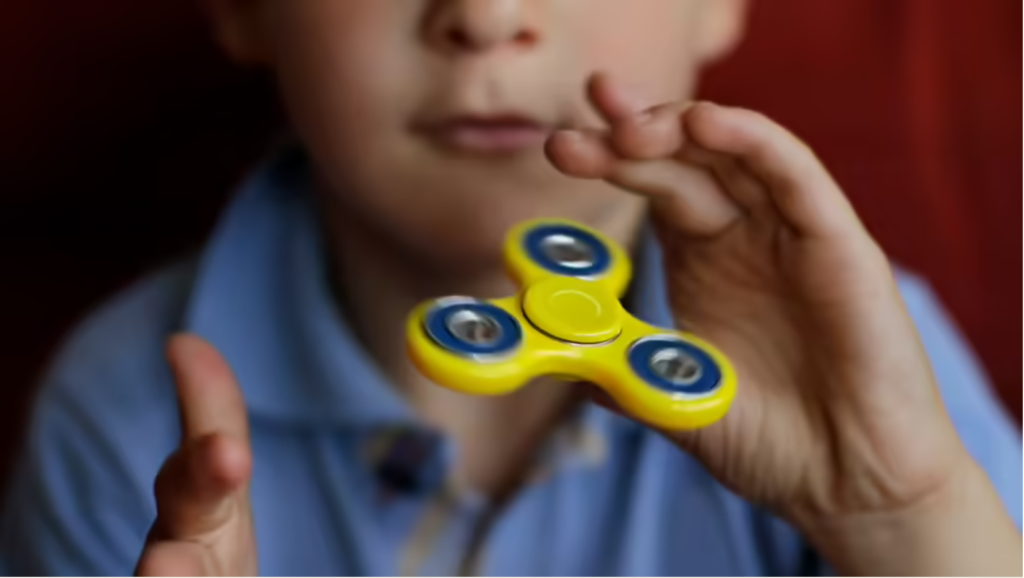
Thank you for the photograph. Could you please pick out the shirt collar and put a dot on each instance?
(262, 298)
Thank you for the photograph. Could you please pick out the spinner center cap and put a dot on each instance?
(574, 310)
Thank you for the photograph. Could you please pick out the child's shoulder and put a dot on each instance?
(111, 368)
(104, 419)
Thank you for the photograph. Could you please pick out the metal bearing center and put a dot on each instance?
(675, 366)
(473, 327)
(568, 251)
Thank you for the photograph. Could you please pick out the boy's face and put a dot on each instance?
(427, 118)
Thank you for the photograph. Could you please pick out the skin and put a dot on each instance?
(838, 426)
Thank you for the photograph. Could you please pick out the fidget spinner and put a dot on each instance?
(566, 320)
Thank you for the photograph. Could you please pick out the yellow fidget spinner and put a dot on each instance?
(567, 321)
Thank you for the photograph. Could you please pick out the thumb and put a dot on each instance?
(195, 487)
(172, 559)
(203, 525)
(209, 397)
(199, 488)
(204, 520)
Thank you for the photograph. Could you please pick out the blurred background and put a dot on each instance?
(123, 132)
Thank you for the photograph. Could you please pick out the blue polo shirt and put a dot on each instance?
(346, 479)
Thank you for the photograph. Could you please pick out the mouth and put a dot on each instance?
(492, 135)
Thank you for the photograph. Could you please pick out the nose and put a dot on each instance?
(479, 26)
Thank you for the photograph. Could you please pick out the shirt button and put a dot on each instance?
(411, 461)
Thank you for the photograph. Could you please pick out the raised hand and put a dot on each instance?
(838, 418)
(204, 520)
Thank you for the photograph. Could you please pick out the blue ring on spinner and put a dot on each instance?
(640, 360)
(533, 243)
(436, 325)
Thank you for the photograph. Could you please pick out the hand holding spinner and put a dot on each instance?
(567, 321)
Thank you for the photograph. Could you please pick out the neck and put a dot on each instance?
(377, 284)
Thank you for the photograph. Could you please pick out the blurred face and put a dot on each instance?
(427, 118)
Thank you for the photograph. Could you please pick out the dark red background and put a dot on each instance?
(122, 131)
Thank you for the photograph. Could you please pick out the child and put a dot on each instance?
(428, 128)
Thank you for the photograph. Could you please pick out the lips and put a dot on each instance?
(490, 135)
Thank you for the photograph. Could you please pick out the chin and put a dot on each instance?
(471, 238)
(460, 245)
(457, 226)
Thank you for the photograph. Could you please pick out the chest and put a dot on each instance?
(647, 509)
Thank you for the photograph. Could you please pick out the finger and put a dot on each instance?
(689, 197)
(799, 186)
(613, 100)
(658, 133)
(654, 133)
(172, 559)
(640, 133)
(196, 490)
(583, 154)
(637, 132)
(209, 397)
